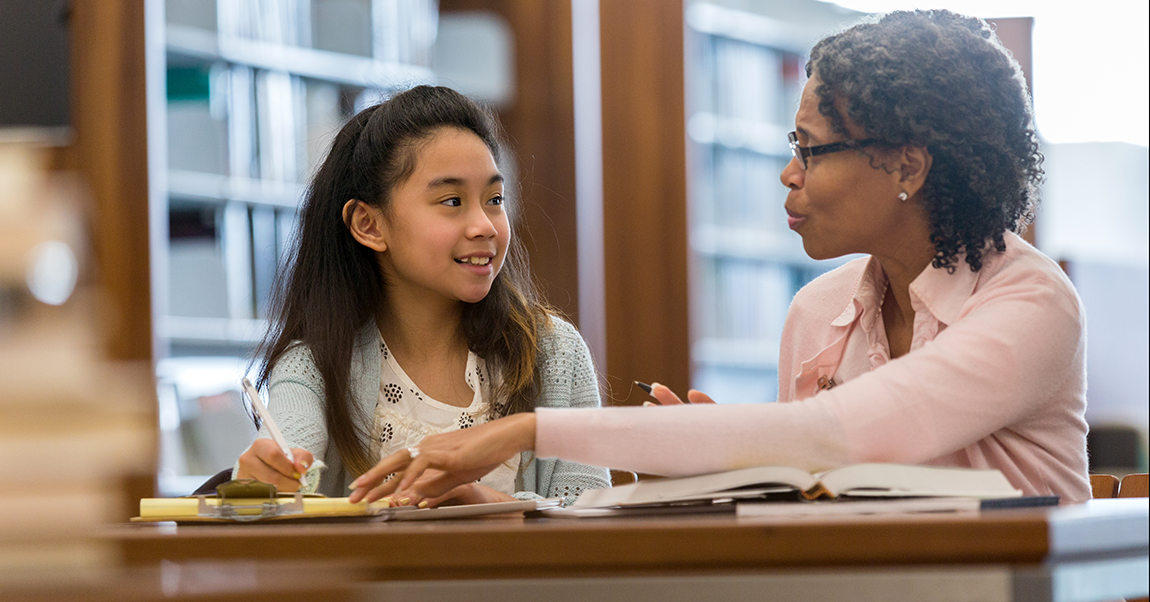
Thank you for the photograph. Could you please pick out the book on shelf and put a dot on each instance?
(874, 481)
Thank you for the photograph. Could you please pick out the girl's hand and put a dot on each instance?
(462, 457)
(667, 397)
(468, 493)
(264, 461)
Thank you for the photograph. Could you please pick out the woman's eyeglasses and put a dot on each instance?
(802, 152)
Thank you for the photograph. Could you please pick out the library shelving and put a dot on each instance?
(252, 93)
(744, 75)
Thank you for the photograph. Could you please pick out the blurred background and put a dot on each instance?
(648, 137)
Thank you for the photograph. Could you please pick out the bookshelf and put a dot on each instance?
(745, 72)
(252, 92)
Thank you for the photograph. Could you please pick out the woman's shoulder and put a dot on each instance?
(1023, 265)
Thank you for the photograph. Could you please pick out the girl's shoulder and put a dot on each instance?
(297, 363)
(557, 335)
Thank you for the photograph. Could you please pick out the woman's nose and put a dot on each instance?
(793, 175)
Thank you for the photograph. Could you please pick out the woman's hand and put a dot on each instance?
(462, 457)
(264, 461)
(667, 397)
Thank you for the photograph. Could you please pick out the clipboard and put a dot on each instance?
(246, 501)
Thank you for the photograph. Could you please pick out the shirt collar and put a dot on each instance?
(867, 284)
(942, 293)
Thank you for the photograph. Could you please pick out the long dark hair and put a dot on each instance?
(333, 286)
(942, 81)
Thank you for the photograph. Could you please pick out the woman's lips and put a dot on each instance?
(794, 220)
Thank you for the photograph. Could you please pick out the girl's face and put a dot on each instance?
(840, 204)
(447, 230)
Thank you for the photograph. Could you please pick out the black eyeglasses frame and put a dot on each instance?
(802, 152)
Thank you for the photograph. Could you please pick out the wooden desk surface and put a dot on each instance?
(557, 548)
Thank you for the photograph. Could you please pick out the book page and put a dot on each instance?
(902, 480)
(696, 487)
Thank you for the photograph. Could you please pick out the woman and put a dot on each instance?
(954, 343)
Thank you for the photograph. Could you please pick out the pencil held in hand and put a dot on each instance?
(266, 418)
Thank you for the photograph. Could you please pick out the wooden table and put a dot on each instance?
(1095, 551)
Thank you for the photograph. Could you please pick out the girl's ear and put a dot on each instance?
(367, 224)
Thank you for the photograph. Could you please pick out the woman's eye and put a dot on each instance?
(453, 202)
(496, 200)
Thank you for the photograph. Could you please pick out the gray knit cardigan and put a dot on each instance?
(567, 379)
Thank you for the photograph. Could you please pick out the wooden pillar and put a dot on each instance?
(111, 153)
(644, 195)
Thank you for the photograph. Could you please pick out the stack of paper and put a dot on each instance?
(72, 424)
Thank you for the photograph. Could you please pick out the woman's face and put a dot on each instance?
(841, 204)
(446, 228)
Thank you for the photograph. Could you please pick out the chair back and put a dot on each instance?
(1135, 485)
(1103, 486)
(623, 477)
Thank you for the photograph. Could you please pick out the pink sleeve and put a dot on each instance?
(1003, 360)
(691, 439)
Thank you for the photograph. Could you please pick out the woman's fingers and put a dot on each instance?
(665, 395)
(699, 397)
(374, 477)
(414, 470)
(463, 456)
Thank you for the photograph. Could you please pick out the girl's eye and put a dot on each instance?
(496, 200)
(454, 202)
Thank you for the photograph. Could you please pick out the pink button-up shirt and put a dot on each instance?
(995, 378)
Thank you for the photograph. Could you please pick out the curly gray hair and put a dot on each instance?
(942, 81)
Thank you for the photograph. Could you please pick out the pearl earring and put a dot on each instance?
(902, 196)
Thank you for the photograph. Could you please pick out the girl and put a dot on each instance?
(407, 310)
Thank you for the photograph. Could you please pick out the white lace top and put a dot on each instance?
(404, 414)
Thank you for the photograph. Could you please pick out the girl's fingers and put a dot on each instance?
(699, 397)
(267, 474)
(432, 502)
(440, 487)
(303, 459)
(272, 456)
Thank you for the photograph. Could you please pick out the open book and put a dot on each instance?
(860, 480)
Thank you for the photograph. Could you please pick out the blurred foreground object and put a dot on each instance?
(73, 425)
